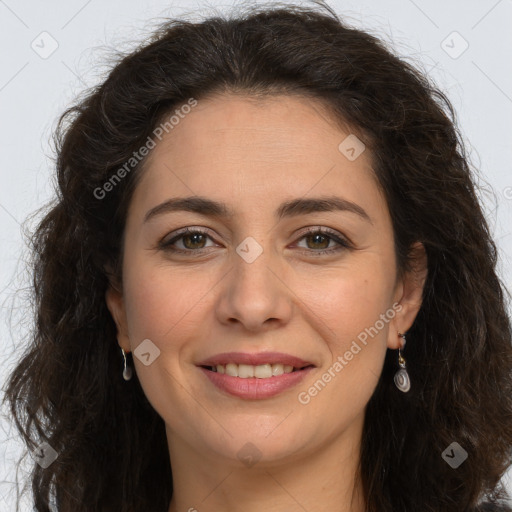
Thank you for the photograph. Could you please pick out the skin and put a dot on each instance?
(253, 155)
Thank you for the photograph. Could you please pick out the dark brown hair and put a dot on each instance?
(67, 389)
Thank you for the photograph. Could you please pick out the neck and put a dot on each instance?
(324, 478)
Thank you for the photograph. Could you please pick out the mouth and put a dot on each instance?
(262, 365)
(255, 376)
(261, 371)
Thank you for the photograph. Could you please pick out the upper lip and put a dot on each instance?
(255, 359)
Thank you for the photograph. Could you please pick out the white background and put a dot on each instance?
(35, 90)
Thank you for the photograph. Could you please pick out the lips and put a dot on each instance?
(255, 359)
(260, 385)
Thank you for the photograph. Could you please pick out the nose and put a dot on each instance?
(254, 294)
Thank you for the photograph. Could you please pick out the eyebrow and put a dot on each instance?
(295, 207)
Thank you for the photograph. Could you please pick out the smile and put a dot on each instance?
(246, 371)
(253, 387)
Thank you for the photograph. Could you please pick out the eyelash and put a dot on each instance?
(166, 245)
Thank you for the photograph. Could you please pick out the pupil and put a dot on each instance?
(316, 237)
(194, 236)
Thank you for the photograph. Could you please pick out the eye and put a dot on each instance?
(192, 240)
(321, 238)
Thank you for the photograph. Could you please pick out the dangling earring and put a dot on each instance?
(402, 380)
(127, 371)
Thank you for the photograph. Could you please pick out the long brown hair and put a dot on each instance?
(67, 389)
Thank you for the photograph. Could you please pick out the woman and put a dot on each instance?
(254, 216)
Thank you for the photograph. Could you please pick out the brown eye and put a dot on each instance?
(191, 240)
(318, 240)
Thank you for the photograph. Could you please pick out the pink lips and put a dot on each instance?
(255, 359)
(253, 388)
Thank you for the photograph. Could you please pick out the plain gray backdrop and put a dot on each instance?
(51, 51)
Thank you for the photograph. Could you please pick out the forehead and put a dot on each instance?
(278, 129)
(237, 147)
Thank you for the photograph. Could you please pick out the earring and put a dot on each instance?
(402, 380)
(127, 371)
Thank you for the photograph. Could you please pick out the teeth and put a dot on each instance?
(232, 370)
(263, 371)
(245, 371)
(277, 369)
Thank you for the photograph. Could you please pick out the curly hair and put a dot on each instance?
(67, 387)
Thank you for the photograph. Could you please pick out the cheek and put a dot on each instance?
(349, 317)
(164, 301)
(350, 301)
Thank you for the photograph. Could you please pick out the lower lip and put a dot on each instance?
(253, 388)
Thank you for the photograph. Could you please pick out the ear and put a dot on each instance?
(409, 295)
(115, 304)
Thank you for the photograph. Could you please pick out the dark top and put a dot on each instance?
(489, 507)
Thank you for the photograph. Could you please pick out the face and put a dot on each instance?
(268, 275)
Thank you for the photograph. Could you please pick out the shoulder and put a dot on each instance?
(492, 507)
